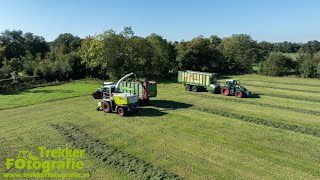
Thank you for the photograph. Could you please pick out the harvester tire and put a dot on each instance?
(107, 107)
(239, 94)
(121, 111)
(225, 91)
(194, 88)
(188, 87)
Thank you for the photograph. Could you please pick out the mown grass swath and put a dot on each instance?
(111, 155)
(309, 131)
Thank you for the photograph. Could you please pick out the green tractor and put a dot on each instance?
(233, 88)
(121, 103)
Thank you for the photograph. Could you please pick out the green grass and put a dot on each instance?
(193, 135)
(48, 93)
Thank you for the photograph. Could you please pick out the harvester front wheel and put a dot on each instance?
(188, 87)
(121, 111)
(225, 91)
(239, 94)
(107, 107)
(194, 88)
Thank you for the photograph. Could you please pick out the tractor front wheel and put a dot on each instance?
(225, 91)
(194, 88)
(188, 87)
(121, 111)
(107, 107)
(239, 94)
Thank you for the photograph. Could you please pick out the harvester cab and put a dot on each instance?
(233, 87)
(119, 102)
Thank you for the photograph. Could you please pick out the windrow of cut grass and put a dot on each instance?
(312, 97)
(255, 111)
(257, 99)
(305, 90)
(279, 80)
(260, 121)
(111, 155)
(293, 87)
(245, 101)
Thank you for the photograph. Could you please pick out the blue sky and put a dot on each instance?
(271, 20)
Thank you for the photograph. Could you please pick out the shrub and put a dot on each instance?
(277, 64)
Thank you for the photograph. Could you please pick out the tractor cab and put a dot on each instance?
(232, 82)
(104, 91)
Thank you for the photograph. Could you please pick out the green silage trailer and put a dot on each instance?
(196, 81)
(144, 89)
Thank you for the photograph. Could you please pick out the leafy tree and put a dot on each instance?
(215, 41)
(310, 47)
(35, 44)
(29, 63)
(66, 43)
(14, 43)
(164, 54)
(17, 44)
(142, 56)
(277, 64)
(198, 54)
(240, 52)
(105, 53)
(2, 49)
(308, 65)
(264, 49)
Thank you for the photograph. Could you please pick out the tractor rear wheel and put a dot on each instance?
(188, 87)
(97, 95)
(239, 94)
(225, 91)
(107, 107)
(121, 111)
(194, 88)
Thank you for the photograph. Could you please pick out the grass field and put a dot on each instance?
(275, 135)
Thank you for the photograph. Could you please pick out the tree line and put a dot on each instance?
(111, 55)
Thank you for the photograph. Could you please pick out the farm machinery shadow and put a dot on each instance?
(165, 105)
(255, 96)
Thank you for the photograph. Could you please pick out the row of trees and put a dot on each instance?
(111, 54)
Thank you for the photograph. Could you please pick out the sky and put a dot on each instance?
(175, 20)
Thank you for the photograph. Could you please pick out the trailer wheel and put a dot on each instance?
(239, 94)
(188, 87)
(107, 107)
(225, 91)
(121, 111)
(194, 88)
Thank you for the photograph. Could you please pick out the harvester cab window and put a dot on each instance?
(107, 90)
